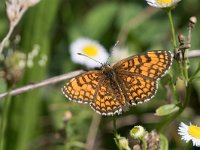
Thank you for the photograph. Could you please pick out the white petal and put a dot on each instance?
(78, 46)
(156, 3)
(183, 131)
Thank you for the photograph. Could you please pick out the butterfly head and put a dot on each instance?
(106, 66)
(107, 70)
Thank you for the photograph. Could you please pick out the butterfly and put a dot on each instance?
(131, 81)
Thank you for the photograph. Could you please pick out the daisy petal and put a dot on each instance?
(90, 48)
(191, 132)
(162, 3)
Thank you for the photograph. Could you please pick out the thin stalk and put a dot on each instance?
(144, 144)
(188, 94)
(6, 106)
(183, 68)
(6, 38)
(169, 14)
(185, 71)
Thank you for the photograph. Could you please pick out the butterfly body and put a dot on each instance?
(113, 82)
(129, 82)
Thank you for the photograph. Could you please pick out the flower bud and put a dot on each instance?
(137, 132)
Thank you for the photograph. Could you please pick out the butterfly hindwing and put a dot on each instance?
(107, 101)
(137, 89)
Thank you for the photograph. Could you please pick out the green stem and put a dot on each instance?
(6, 106)
(165, 123)
(185, 68)
(144, 143)
(172, 27)
(188, 94)
(117, 136)
(188, 146)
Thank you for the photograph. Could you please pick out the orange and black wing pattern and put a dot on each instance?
(107, 100)
(131, 81)
(94, 88)
(137, 89)
(138, 74)
(82, 88)
(153, 64)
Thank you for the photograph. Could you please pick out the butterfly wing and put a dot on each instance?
(95, 89)
(108, 100)
(137, 89)
(83, 87)
(138, 74)
(153, 64)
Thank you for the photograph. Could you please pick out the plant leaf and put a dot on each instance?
(166, 110)
(163, 142)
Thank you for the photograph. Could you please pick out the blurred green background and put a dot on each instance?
(34, 120)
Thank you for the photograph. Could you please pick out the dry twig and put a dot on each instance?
(93, 132)
(194, 53)
(15, 11)
(41, 84)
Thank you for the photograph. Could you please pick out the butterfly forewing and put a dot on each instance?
(153, 64)
(82, 88)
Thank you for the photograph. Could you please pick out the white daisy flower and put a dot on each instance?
(191, 132)
(162, 3)
(89, 48)
(137, 132)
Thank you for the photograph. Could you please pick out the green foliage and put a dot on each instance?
(163, 142)
(99, 19)
(166, 110)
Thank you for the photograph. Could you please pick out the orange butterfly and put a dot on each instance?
(129, 82)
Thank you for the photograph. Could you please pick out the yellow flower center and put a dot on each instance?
(194, 131)
(164, 2)
(90, 50)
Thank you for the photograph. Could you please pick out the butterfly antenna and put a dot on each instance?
(115, 45)
(89, 58)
